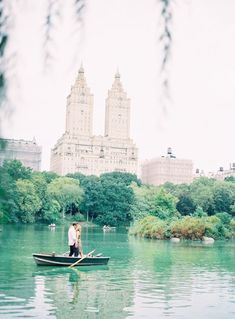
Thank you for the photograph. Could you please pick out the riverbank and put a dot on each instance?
(220, 226)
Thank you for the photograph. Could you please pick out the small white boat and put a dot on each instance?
(108, 228)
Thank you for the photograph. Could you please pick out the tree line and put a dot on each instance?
(117, 199)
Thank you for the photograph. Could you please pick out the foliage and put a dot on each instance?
(16, 170)
(92, 197)
(232, 227)
(199, 212)
(119, 177)
(232, 209)
(149, 227)
(144, 201)
(115, 203)
(224, 217)
(77, 175)
(202, 194)
(185, 204)
(223, 196)
(230, 179)
(51, 212)
(215, 228)
(8, 197)
(28, 201)
(165, 204)
(188, 228)
(49, 176)
(205, 207)
(67, 192)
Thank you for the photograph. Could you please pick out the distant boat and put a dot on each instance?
(62, 260)
(108, 228)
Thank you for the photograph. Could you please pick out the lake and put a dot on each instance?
(144, 278)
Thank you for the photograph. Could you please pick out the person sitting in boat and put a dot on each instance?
(72, 239)
(79, 241)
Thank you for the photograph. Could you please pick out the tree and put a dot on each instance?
(165, 204)
(144, 203)
(223, 196)
(16, 169)
(40, 184)
(49, 176)
(28, 201)
(92, 197)
(67, 192)
(51, 211)
(153, 200)
(115, 203)
(230, 179)
(202, 194)
(119, 177)
(77, 175)
(8, 197)
(185, 204)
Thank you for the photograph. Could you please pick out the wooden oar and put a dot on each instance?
(78, 261)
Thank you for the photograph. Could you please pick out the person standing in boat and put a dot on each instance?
(79, 241)
(72, 238)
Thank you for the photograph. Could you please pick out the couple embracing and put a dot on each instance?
(74, 238)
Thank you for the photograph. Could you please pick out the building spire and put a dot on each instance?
(117, 74)
(81, 70)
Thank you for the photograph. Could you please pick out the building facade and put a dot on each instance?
(167, 169)
(222, 173)
(78, 150)
(28, 152)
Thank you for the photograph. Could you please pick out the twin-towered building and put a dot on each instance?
(78, 150)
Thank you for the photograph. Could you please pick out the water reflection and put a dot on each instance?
(144, 278)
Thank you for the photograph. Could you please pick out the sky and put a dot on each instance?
(124, 34)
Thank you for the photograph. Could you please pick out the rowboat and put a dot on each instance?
(63, 260)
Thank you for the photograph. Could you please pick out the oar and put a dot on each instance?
(77, 262)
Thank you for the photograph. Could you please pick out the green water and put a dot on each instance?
(144, 278)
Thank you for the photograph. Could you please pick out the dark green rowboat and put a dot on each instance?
(62, 260)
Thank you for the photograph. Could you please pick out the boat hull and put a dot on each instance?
(61, 260)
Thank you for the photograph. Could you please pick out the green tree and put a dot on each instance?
(8, 197)
(144, 203)
(51, 211)
(165, 204)
(40, 184)
(119, 177)
(202, 194)
(92, 197)
(67, 192)
(230, 179)
(223, 196)
(49, 176)
(199, 212)
(185, 204)
(16, 169)
(115, 204)
(78, 176)
(28, 201)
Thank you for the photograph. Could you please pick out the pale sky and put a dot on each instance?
(124, 34)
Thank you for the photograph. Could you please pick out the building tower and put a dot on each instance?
(117, 111)
(79, 109)
(77, 150)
